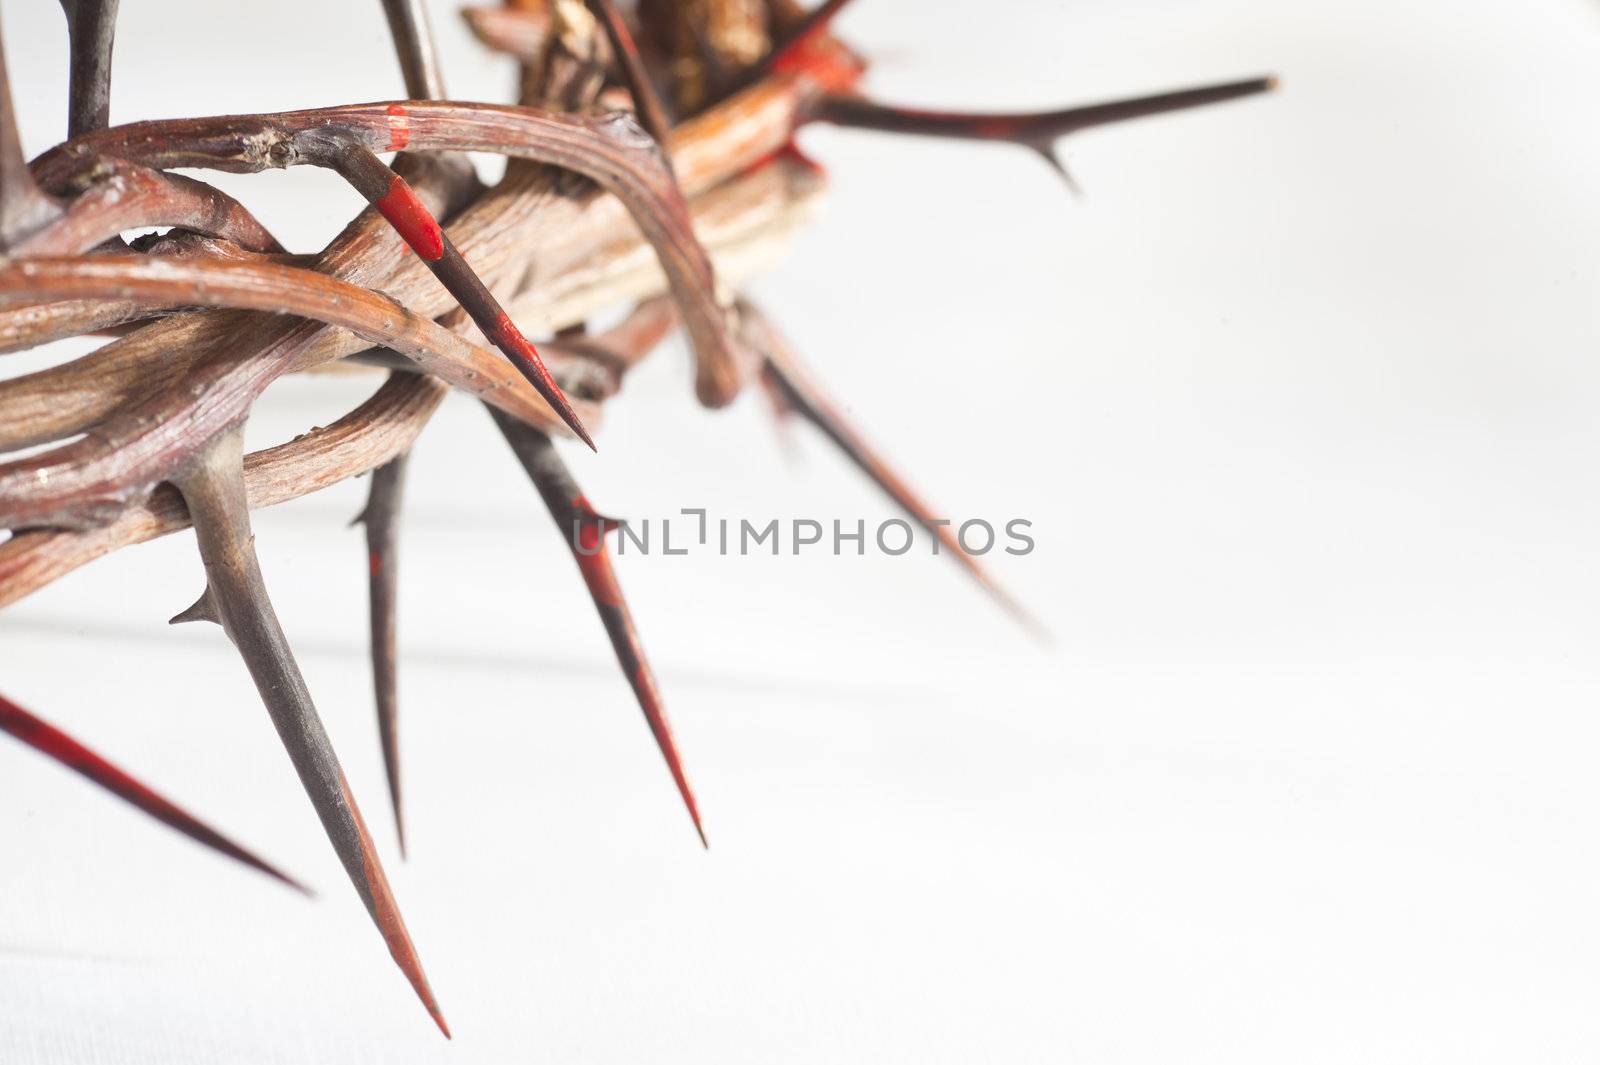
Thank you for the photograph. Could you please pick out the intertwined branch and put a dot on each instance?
(652, 163)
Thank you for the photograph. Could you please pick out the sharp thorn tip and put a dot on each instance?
(202, 609)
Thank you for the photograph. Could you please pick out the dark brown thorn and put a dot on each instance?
(413, 44)
(53, 743)
(213, 488)
(783, 414)
(802, 395)
(381, 517)
(424, 80)
(646, 101)
(23, 206)
(1036, 130)
(91, 31)
(584, 531)
(389, 193)
(1052, 157)
(202, 609)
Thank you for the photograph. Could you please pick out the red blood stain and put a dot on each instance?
(399, 128)
(411, 220)
(375, 563)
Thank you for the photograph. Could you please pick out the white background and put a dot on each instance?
(1301, 400)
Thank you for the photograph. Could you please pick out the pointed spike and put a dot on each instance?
(202, 609)
(582, 528)
(53, 743)
(381, 517)
(395, 200)
(1052, 157)
(811, 403)
(213, 488)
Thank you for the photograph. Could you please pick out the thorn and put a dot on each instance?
(53, 743)
(202, 609)
(91, 33)
(413, 44)
(646, 101)
(1029, 129)
(394, 199)
(782, 417)
(213, 489)
(382, 516)
(805, 398)
(1052, 156)
(583, 529)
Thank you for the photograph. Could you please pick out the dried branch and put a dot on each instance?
(119, 196)
(83, 481)
(1039, 131)
(611, 150)
(372, 434)
(746, 223)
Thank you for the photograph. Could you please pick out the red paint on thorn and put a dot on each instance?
(411, 219)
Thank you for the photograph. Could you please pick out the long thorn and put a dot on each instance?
(389, 193)
(584, 532)
(802, 395)
(646, 101)
(381, 518)
(213, 488)
(91, 32)
(53, 743)
(413, 44)
(1038, 130)
(24, 208)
